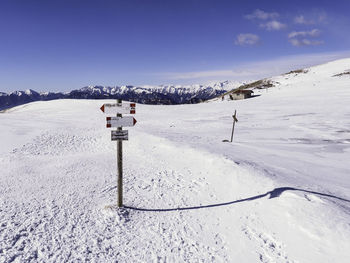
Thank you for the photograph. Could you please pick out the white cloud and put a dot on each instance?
(312, 19)
(209, 74)
(273, 25)
(247, 39)
(313, 33)
(302, 21)
(297, 38)
(260, 14)
(253, 70)
(305, 42)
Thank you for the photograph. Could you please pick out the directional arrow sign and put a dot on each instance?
(114, 108)
(127, 121)
(119, 135)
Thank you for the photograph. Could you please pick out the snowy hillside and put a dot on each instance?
(279, 193)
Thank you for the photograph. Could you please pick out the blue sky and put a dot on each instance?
(64, 45)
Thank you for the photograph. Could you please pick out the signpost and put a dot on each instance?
(119, 135)
(115, 108)
(127, 121)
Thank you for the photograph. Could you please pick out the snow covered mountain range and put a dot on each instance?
(167, 94)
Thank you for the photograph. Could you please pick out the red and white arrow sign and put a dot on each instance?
(127, 121)
(114, 108)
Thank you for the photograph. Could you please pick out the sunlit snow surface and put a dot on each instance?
(279, 193)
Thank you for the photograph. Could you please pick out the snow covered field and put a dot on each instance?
(279, 193)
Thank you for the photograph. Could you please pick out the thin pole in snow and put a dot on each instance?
(233, 127)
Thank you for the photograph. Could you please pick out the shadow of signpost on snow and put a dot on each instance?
(273, 194)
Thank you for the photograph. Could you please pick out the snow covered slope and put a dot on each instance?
(279, 193)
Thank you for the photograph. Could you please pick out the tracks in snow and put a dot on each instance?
(57, 189)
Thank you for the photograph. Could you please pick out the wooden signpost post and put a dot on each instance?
(119, 135)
